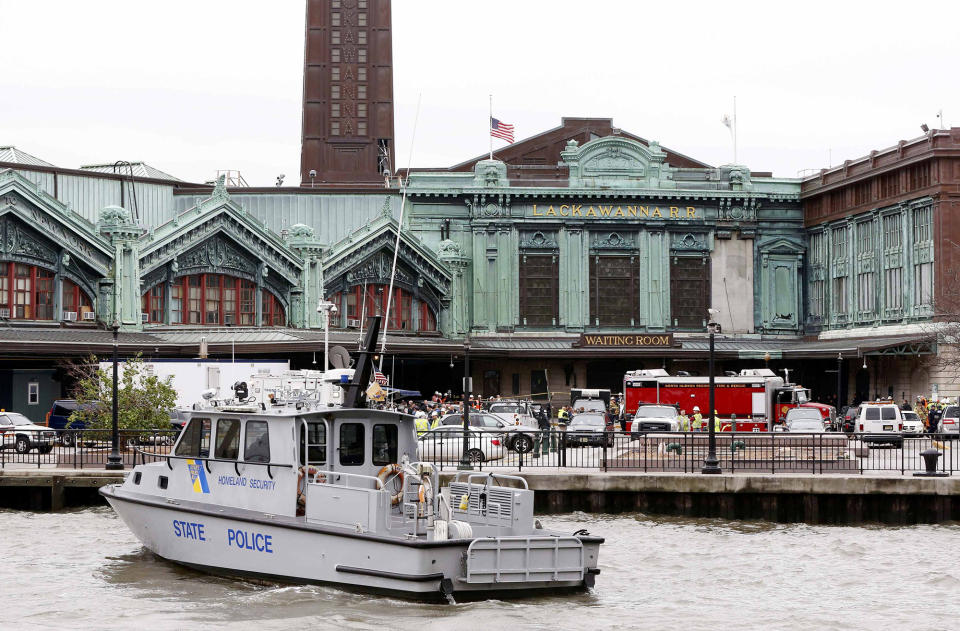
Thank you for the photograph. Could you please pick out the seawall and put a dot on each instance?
(814, 499)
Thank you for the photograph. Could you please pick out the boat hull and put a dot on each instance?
(250, 545)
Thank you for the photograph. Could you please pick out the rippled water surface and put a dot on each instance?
(84, 570)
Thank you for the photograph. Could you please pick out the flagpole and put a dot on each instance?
(489, 123)
(735, 130)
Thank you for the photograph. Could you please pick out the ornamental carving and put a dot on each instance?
(300, 230)
(114, 216)
(211, 228)
(735, 210)
(377, 269)
(538, 240)
(614, 240)
(688, 241)
(449, 249)
(19, 241)
(217, 253)
(485, 206)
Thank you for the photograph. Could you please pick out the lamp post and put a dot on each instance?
(328, 309)
(467, 391)
(114, 461)
(711, 465)
(839, 380)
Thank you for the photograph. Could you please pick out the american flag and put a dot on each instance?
(379, 377)
(499, 129)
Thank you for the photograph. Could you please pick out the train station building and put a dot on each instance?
(572, 256)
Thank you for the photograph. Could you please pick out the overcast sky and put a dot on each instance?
(195, 86)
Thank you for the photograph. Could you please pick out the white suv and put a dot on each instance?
(880, 423)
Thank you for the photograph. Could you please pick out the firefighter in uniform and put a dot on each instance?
(683, 423)
(696, 423)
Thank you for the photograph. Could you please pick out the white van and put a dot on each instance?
(880, 422)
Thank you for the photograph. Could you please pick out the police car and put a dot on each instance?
(19, 433)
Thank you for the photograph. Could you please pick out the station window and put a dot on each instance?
(614, 290)
(256, 443)
(335, 92)
(689, 291)
(335, 55)
(151, 303)
(361, 74)
(361, 91)
(228, 439)
(74, 299)
(335, 73)
(335, 110)
(384, 444)
(335, 37)
(361, 128)
(335, 128)
(351, 444)
(539, 281)
(360, 302)
(213, 299)
(195, 439)
(33, 393)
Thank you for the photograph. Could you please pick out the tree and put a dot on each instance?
(144, 399)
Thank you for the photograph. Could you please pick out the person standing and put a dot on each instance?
(543, 436)
(683, 422)
(696, 423)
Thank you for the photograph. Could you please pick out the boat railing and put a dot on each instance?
(333, 477)
(488, 476)
(207, 460)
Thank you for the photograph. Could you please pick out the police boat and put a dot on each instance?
(311, 491)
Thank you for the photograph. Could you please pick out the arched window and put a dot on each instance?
(75, 300)
(361, 301)
(212, 300)
(28, 292)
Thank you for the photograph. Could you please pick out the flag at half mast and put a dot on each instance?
(499, 129)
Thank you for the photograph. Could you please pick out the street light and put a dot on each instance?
(839, 380)
(114, 461)
(711, 465)
(467, 390)
(328, 309)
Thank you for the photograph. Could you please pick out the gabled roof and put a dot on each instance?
(544, 149)
(136, 169)
(14, 155)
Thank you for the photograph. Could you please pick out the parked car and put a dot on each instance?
(58, 418)
(654, 418)
(445, 444)
(950, 421)
(588, 429)
(848, 419)
(178, 418)
(805, 420)
(519, 438)
(912, 423)
(19, 433)
(881, 423)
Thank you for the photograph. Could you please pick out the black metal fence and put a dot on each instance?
(679, 452)
(684, 452)
(79, 448)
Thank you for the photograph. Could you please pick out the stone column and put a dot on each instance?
(454, 319)
(122, 293)
(301, 240)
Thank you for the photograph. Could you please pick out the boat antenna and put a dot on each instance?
(355, 394)
(396, 245)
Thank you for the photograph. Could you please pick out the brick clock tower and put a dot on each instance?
(347, 93)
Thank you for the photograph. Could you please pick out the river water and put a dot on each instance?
(83, 569)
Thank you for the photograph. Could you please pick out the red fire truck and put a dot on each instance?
(757, 397)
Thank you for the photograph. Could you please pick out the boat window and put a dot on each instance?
(256, 445)
(195, 440)
(384, 444)
(228, 439)
(315, 445)
(351, 444)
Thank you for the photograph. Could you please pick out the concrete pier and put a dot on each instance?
(814, 499)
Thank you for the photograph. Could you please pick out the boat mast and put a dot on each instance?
(355, 395)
